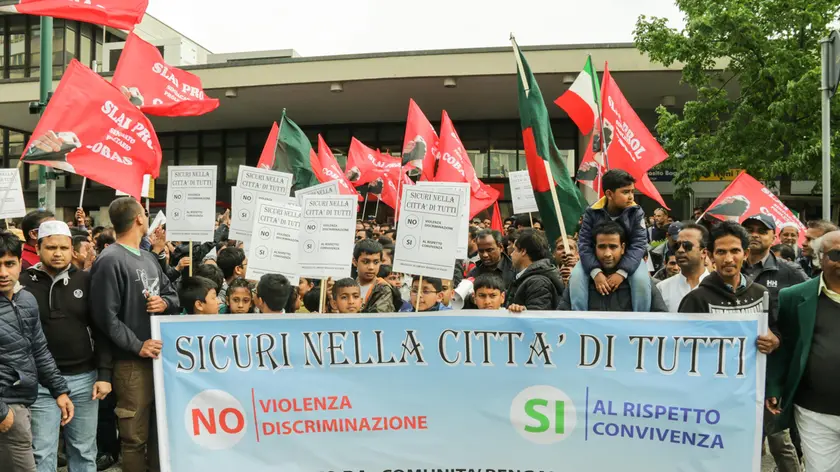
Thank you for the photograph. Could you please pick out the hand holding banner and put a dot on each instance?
(156, 87)
(91, 129)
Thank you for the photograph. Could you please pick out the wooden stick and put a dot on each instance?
(557, 207)
(531, 215)
(191, 258)
(419, 292)
(323, 304)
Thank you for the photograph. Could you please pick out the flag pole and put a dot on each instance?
(364, 207)
(521, 67)
(191, 258)
(419, 292)
(376, 211)
(323, 303)
(597, 93)
(82, 194)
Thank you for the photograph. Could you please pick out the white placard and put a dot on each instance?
(428, 232)
(522, 192)
(191, 203)
(160, 219)
(243, 209)
(326, 188)
(254, 185)
(274, 245)
(144, 192)
(327, 236)
(462, 251)
(13, 205)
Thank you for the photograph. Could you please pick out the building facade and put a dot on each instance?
(364, 96)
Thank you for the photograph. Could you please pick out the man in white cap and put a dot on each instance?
(789, 235)
(62, 293)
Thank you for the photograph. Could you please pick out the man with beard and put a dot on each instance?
(816, 229)
(659, 230)
(62, 292)
(492, 257)
(775, 274)
(130, 288)
(691, 255)
(789, 236)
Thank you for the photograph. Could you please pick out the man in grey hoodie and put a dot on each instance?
(130, 288)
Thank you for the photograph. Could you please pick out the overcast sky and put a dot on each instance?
(326, 27)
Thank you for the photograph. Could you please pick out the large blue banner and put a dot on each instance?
(462, 392)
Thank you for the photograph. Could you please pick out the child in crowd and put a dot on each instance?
(489, 292)
(312, 299)
(239, 298)
(430, 295)
(295, 301)
(377, 295)
(198, 296)
(394, 279)
(214, 274)
(617, 205)
(347, 296)
(304, 286)
(273, 292)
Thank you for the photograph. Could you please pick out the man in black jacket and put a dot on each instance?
(492, 257)
(25, 362)
(62, 292)
(610, 243)
(774, 274)
(538, 285)
(130, 288)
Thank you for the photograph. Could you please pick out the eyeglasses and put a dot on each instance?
(424, 292)
(687, 245)
(833, 255)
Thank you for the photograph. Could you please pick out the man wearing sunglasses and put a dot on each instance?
(691, 256)
(802, 380)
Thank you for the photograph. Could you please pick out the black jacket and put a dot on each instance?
(713, 296)
(25, 360)
(75, 344)
(775, 275)
(538, 288)
(631, 218)
(621, 299)
(504, 269)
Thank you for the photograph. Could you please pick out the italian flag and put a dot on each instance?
(287, 149)
(541, 154)
(583, 99)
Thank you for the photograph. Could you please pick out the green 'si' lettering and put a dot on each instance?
(531, 411)
(560, 417)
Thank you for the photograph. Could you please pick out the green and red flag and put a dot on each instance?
(289, 150)
(582, 101)
(540, 149)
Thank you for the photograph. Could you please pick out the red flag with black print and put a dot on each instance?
(156, 87)
(327, 169)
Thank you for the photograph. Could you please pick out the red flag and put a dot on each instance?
(591, 169)
(420, 146)
(120, 14)
(364, 165)
(454, 165)
(393, 183)
(630, 146)
(269, 151)
(496, 223)
(156, 87)
(327, 169)
(746, 197)
(104, 137)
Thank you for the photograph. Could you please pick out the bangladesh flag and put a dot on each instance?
(541, 153)
(289, 150)
(583, 99)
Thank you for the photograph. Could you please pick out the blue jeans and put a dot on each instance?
(640, 288)
(79, 433)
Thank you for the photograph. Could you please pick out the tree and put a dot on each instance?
(761, 112)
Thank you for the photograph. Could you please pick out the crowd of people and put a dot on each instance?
(76, 348)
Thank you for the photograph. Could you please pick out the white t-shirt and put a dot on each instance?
(675, 288)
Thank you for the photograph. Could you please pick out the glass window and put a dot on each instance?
(168, 160)
(34, 43)
(58, 48)
(17, 46)
(365, 134)
(258, 138)
(236, 138)
(70, 50)
(98, 47)
(212, 157)
(210, 140)
(188, 140)
(234, 157)
(188, 157)
(502, 161)
(167, 141)
(86, 44)
(2, 45)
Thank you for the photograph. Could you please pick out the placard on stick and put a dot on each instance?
(522, 192)
(462, 251)
(326, 188)
(191, 203)
(428, 233)
(254, 185)
(327, 236)
(13, 204)
(274, 245)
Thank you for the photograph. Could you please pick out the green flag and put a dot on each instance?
(289, 150)
(539, 149)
